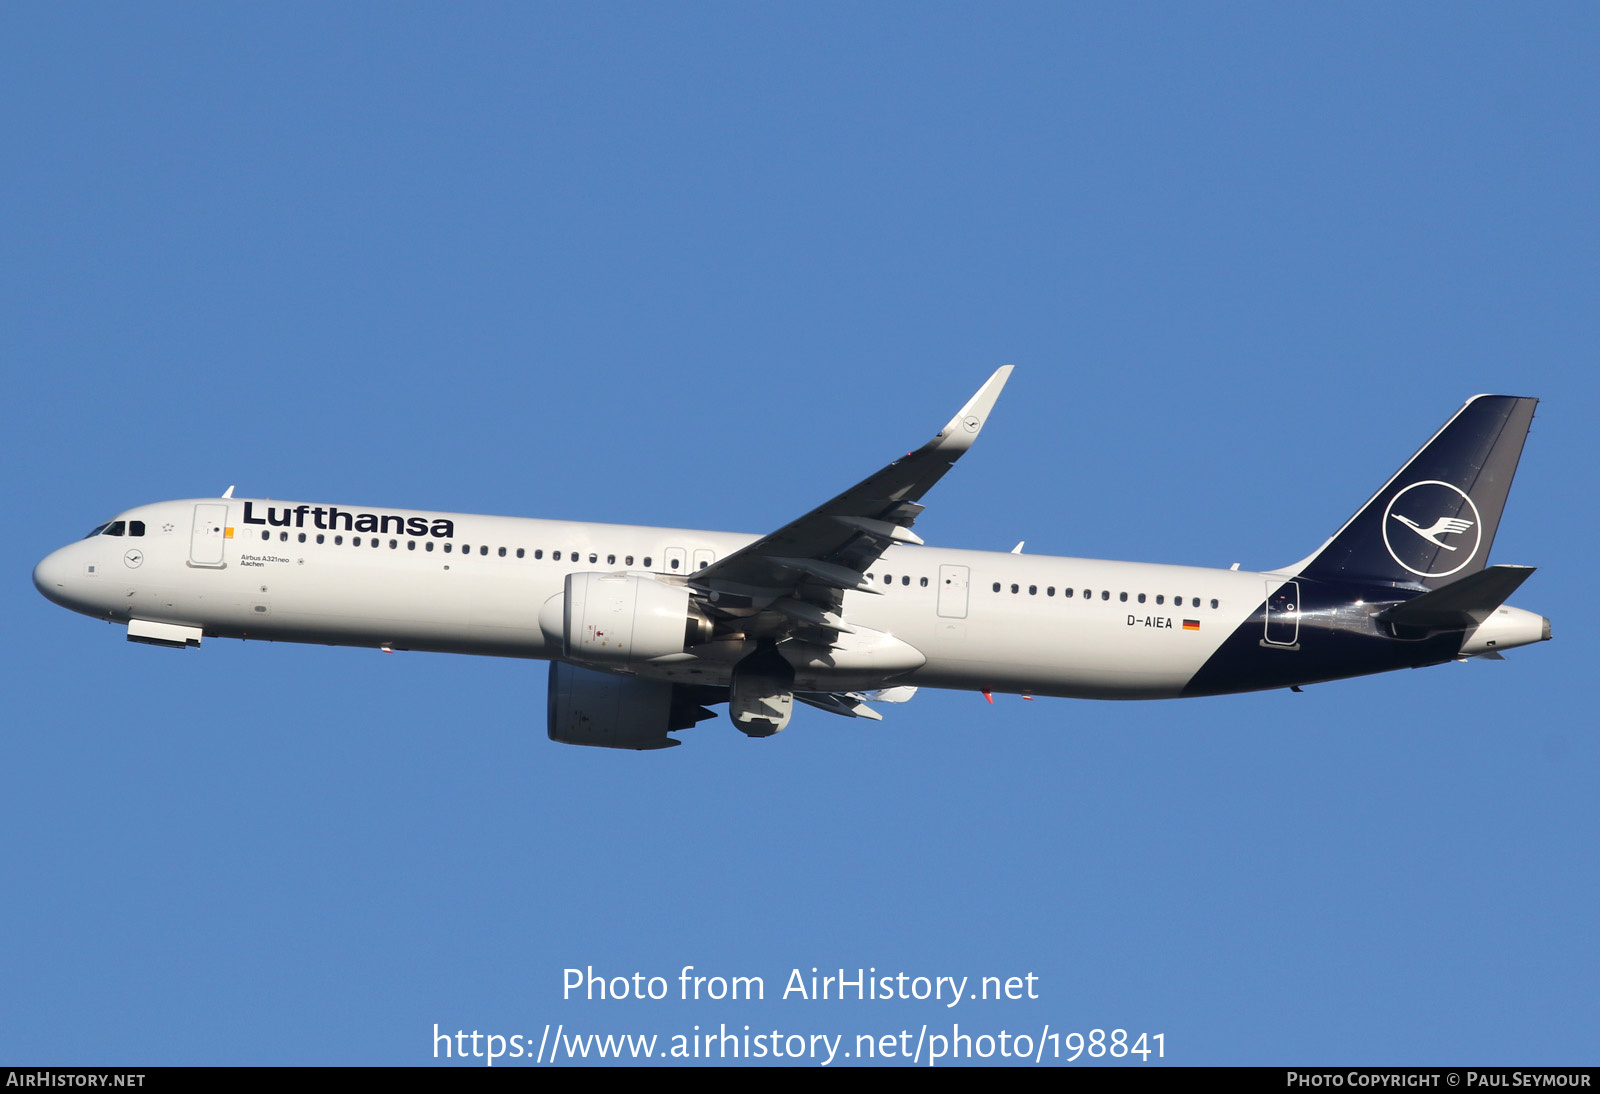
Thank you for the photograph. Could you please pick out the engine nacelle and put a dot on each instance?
(1506, 629)
(605, 711)
(620, 618)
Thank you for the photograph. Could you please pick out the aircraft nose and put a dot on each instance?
(52, 576)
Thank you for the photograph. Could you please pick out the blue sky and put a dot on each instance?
(707, 265)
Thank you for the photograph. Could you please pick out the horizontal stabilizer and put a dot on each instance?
(1460, 604)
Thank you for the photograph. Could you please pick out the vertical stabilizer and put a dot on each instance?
(1434, 522)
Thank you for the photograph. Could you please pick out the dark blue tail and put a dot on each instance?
(1433, 523)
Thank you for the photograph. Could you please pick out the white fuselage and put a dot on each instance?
(841, 608)
(461, 583)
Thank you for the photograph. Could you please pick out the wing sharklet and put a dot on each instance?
(957, 436)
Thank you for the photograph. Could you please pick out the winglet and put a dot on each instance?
(963, 429)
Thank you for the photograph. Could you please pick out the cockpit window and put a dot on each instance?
(118, 528)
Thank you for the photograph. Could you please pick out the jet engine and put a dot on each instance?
(596, 708)
(614, 618)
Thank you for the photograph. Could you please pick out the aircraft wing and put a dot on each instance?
(803, 568)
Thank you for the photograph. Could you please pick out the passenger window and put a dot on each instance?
(1088, 594)
(428, 546)
(1141, 598)
(394, 545)
(1105, 594)
(1213, 603)
(996, 586)
(611, 560)
(502, 552)
(628, 561)
(411, 545)
(888, 579)
(646, 562)
(136, 528)
(338, 541)
(1033, 590)
(519, 552)
(539, 553)
(265, 535)
(593, 558)
(1160, 599)
(924, 583)
(447, 548)
(1066, 592)
(674, 564)
(320, 537)
(284, 536)
(1196, 603)
(374, 541)
(906, 580)
(485, 550)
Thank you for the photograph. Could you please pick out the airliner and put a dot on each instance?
(845, 609)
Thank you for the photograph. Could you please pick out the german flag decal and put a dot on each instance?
(1191, 624)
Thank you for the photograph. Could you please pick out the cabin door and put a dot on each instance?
(206, 539)
(1283, 613)
(953, 592)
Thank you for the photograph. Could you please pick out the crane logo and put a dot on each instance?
(1436, 514)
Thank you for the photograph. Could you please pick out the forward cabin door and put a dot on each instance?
(206, 539)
